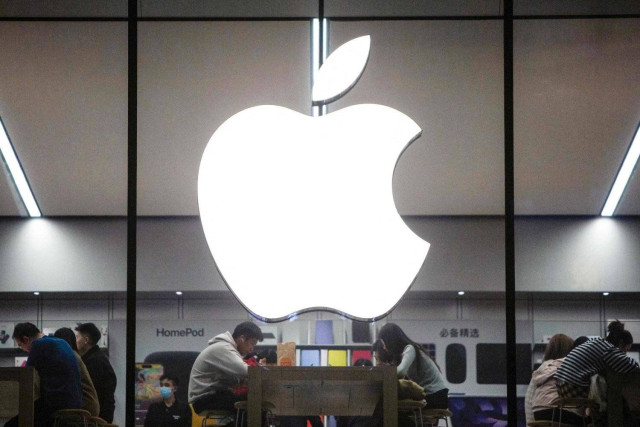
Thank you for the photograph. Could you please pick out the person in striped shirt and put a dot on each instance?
(593, 357)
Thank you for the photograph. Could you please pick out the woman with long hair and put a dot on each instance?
(395, 347)
(542, 393)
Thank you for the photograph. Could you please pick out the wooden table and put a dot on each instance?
(619, 387)
(298, 390)
(26, 383)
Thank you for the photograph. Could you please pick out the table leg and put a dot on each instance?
(25, 398)
(254, 396)
(390, 397)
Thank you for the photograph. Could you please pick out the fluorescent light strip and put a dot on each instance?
(315, 55)
(17, 174)
(629, 164)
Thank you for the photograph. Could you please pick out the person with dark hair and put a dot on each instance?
(542, 393)
(89, 395)
(104, 378)
(594, 357)
(57, 368)
(169, 412)
(363, 362)
(220, 367)
(579, 341)
(265, 357)
(412, 362)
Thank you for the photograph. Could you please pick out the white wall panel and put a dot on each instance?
(446, 76)
(152, 309)
(19, 310)
(576, 103)
(76, 310)
(465, 254)
(566, 310)
(485, 310)
(574, 329)
(424, 308)
(74, 255)
(567, 255)
(224, 309)
(192, 76)
(64, 103)
(622, 309)
(173, 255)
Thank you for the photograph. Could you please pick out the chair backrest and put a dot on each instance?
(71, 417)
(97, 421)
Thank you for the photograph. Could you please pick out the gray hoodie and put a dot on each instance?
(219, 366)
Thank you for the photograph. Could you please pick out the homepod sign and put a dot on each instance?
(186, 332)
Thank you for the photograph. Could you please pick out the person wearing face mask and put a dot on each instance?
(169, 412)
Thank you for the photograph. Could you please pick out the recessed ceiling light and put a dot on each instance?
(619, 185)
(460, 293)
(17, 174)
(605, 294)
(36, 293)
(178, 292)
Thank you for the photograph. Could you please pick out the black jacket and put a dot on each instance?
(104, 380)
(159, 415)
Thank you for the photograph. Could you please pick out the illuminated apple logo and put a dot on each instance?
(298, 211)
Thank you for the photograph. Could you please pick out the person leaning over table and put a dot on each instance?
(395, 347)
(573, 377)
(56, 365)
(593, 357)
(89, 395)
(220, 368)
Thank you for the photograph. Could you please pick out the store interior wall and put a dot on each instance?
(467, 253)
(422, 317)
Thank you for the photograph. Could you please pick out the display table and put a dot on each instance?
(297, 390)
(619, 387)
(25, 377)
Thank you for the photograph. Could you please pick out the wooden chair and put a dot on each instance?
(71, 418)
(414, 408)
(430, 417)
(97, 422)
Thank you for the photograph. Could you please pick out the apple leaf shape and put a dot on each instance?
(341, 71)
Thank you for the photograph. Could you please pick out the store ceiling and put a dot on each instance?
(63, 99)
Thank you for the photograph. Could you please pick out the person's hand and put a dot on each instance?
(262, 362)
